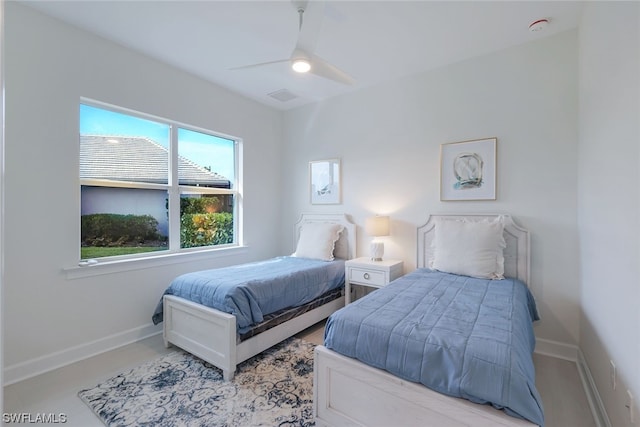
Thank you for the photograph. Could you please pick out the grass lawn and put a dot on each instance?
(89, 252)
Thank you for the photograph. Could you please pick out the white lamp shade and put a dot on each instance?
(377, 226)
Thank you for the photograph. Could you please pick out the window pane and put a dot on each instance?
(205, 160)
(130, 196)
(120, 147)
(122, 221)
(206, 220)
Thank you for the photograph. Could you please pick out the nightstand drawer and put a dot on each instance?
(367, 277)
(367, 272)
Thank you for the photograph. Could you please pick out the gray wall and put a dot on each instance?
(389, 137)
(50, 319)
(609, 200)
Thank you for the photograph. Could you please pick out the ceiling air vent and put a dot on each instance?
(283, 95)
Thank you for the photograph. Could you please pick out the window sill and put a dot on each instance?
(110, 267)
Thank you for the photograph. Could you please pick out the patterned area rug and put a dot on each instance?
(273, 388)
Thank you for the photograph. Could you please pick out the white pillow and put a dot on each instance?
(317, 240)
(470, 248)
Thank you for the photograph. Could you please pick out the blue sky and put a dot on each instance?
(200, 148)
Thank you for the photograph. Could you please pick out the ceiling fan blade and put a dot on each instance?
(322, 68)
(261, 64)
(311, 14)
(310, 25)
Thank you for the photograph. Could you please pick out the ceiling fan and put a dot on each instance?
(303, 59)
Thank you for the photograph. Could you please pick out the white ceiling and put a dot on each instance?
(373, 41)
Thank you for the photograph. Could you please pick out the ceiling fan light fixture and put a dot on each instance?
(301, 65)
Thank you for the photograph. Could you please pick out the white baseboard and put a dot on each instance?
(31, 368)
(573, 353)
(557, 349)
(593, 397)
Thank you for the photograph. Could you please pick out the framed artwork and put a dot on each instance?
(468, 170)
(324, 182)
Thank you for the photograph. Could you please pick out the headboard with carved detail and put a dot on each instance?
(516, 254)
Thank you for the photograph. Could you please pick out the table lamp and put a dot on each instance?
(377, 226)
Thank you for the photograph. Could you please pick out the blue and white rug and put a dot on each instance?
(274, 388)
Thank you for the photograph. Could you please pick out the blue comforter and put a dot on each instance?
(460, 336)
(251, 291)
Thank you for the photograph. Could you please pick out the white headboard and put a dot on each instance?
(516, 254)
(345, 246)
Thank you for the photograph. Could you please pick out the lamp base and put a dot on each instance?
(377, 250)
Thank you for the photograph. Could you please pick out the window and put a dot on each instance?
(149, 185)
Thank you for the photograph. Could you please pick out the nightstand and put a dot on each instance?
(375, 274)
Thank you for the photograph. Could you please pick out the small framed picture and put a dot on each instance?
(324, 182)
(468, 170)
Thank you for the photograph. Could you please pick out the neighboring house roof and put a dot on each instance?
(138, 159)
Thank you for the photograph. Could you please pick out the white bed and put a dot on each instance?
(350, 393)
(211, 334)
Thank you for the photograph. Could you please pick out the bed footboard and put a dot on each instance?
(347, 392)
(204, 332)
(211, 334)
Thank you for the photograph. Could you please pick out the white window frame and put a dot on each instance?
(174, 253)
